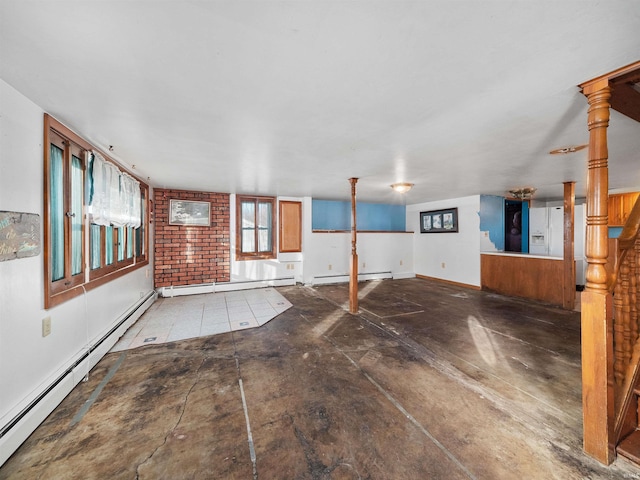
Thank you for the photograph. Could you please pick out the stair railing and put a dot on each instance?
(626, 328)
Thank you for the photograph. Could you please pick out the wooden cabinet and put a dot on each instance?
(620, 206)
(523, 275)
(290, 226)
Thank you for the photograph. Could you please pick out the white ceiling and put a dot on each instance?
(294, 98)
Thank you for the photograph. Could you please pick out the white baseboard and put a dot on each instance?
(403, 275)
(175, 291)
(344, 278)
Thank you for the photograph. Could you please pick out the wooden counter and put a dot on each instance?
(536, 277)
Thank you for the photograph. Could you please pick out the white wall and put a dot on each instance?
(329, 254)
(377, 252)
(29, 362)
(458, 252)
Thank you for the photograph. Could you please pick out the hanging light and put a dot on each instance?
(402, 187)
(523, 193)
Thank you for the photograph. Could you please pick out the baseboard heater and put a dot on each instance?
(344, 278)
(177, 290)
(135, 311)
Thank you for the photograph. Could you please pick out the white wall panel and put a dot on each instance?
(452, 256)
(29, 362)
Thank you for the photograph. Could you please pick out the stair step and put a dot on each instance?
(630, 447)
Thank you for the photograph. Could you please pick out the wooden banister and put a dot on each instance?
(626, 336)
(609, 336)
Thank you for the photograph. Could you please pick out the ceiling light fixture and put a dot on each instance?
(402, 187)
(570, 149)
(523, 193)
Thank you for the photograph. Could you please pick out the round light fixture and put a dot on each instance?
(402, 187)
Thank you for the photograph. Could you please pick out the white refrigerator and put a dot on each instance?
(546, 231)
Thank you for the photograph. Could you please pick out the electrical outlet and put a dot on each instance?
(46, 326)
(443, 265)
(400, 262)
(364, 265)
(147, 273)
(330, 267)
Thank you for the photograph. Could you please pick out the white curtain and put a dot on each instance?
(116, 195)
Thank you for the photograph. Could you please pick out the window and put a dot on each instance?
(81, 253)
(255, 225)
(66, 189)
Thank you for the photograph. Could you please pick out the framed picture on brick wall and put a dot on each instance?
(185, 212)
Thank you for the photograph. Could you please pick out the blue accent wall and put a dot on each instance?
(492, 219)
(525, 227)
(336, 215)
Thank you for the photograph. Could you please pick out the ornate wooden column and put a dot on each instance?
(597, 344)
(569, 263)
(353, 277)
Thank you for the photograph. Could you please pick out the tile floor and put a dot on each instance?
(190, 316)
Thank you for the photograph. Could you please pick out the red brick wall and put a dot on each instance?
(190, 255)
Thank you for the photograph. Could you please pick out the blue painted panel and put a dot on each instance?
(525, 227)
(378, 216)
(614, 232)
(330, 215)
(336, 215)
(492, 219)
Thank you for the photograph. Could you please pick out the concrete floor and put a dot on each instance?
(429, 381)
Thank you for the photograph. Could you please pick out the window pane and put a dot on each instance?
(56, 200)
(264, 226)
(248, 214)
(76, 215)
(129, 242)
(88, 189)
(248, 241)
(108, 245)
(96, 254)
(139, 241)
(264, 215)
(140, 230)
(264, 240)
(248, 227)
(122, 240)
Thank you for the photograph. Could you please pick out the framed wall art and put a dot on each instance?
(19, 235)
(439, 221)
(185, 212)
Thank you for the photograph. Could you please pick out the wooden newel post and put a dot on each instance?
(597, 328)
(597, 246)
(353, 277)
(569, 264)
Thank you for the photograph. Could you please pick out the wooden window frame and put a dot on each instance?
(240, 255)
(59, 291)
(70, 147)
